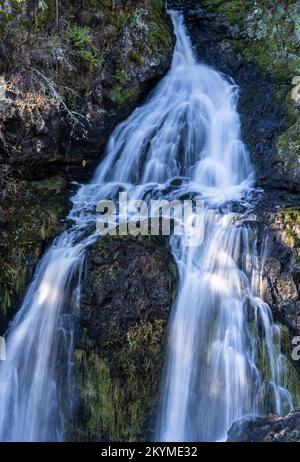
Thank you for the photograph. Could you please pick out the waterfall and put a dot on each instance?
(184, 140)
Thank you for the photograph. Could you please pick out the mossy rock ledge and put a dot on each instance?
(129, 288)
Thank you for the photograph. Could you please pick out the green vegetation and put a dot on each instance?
(150, 36)
(8, 9)
(269, 33)
(118, 402)
(120, 97)
(291, 225)
(69, 46)
(30, 217)
(82, 40)
(159, 32)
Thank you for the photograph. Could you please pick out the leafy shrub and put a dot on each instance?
(82, 40)
(80, 37)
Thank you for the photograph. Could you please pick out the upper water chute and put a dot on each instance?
(189, 127)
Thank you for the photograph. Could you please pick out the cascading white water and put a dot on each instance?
(184, 140)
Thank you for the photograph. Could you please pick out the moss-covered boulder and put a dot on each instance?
(129, 288)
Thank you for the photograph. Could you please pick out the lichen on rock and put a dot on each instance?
(265, 32)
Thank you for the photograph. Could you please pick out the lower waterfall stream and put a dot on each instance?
(184, 140)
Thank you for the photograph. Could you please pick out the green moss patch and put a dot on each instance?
(118, 397)
(30, 217)
(119, 359)
(290, 219)
(269, 33)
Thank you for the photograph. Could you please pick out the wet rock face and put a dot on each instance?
(278, 241)
(278, 221)
(74, 80)
(279, 288)
(129, 289)
(272, 428)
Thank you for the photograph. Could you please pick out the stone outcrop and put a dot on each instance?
(271, 429)
(119, 356)
(278, 238)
